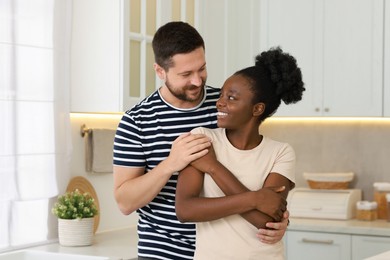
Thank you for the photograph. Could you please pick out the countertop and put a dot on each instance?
(383, 256)
(352, 227)
(122, 244)
(117, 244)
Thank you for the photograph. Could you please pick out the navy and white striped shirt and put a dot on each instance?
(143, 139)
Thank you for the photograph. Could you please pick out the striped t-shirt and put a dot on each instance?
(143, 139)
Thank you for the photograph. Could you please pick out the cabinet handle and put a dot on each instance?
(316, 241)
(317, 109)
(326, 109)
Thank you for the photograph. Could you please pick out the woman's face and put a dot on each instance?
(235, 106)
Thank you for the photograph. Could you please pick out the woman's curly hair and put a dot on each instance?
(275, 77)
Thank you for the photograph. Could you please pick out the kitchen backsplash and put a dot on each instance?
(321, 145)
(337, 145)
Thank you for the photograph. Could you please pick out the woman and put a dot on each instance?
(228, 222)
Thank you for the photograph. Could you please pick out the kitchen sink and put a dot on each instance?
(42, 255)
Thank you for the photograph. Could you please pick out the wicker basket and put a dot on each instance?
(328, 185)
(329, 181)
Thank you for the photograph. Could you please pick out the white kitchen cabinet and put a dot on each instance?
(105, 50)
(96, 56)
(319, 246)
(231, 36)
(386, 73)
(338, 45)
(366, 246)
(301, 245)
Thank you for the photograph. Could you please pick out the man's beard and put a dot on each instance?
(182, 94)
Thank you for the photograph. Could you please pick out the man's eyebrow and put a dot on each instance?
(190, 71)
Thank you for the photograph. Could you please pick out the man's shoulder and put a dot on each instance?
(212, 90)
(148, 103)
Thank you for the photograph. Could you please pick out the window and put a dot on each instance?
(141, 20)
(35, 121)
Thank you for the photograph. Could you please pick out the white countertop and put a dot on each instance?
(353, 226)
(122, 244)
(118, 244)
(383, 256)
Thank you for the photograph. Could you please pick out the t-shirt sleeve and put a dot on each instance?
(198, 130)
(285, 162)
(128, 149)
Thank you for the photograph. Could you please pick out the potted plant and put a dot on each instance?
(75, 212)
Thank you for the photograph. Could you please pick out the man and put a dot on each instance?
(153, 143)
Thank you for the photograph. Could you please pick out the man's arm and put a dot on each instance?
(133, 188)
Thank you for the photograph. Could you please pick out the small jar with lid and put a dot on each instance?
(388, 206)
(380, 191)
(366, 210)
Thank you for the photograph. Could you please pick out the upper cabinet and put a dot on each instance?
(96, 81)
(386, 74)
(339, 47)
(112, 57)
(230, 29)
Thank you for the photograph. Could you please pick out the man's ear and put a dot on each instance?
(159, 71)
(258, 109)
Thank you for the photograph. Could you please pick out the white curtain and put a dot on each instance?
(35, 138)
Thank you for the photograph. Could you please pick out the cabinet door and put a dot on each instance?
(95, 57)
(231, 36)
(366, 246)
(387, 62)
(353, 57)
(339, 47)
(295, 27)
(318, 246)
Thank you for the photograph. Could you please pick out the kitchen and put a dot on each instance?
(323, 138)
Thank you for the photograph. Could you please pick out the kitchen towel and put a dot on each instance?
(98, 150)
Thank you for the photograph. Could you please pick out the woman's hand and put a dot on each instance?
(270, 201)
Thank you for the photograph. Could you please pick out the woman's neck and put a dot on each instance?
(244, 139)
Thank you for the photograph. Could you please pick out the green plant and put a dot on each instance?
(73, 205)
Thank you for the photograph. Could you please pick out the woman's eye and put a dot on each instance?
(231, 98)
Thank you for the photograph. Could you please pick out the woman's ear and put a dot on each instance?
(258, 109)
(159, 71)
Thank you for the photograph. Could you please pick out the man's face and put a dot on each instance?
(186, 79)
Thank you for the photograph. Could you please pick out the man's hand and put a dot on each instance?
(274, 231)
(185, 149)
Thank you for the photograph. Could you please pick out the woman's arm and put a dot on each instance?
(191, 207)
(229, 184)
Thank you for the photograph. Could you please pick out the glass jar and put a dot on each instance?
(388, 206)
(381, 189)
(366, 210)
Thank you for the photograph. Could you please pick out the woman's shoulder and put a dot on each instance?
(206, 131)
(276, 144)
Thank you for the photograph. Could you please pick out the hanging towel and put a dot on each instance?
(98, 150)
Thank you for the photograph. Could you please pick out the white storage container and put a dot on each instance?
(323, 204)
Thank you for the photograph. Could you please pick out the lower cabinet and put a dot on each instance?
(319, 246)
(366, 246)
(301, 245)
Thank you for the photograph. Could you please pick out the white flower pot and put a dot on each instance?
(75, 232)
